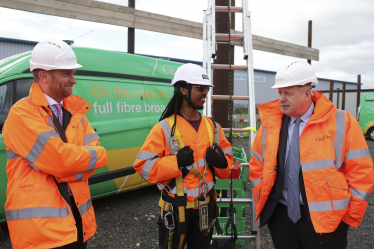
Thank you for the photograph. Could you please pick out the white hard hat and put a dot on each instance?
(192, 74)
(295, 73)
(53, 54)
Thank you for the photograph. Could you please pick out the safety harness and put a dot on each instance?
(180, 201)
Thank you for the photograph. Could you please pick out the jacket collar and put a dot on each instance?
(323, 109)
(73, 103)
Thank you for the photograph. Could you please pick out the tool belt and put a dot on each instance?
(166, 201)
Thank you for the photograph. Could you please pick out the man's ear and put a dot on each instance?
(307, 94)
(184, 91)
(43, 76)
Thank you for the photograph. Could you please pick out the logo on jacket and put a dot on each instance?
(325, 137)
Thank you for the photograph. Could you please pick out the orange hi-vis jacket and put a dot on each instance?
(335, 161)
(156, 164)
(37, 215)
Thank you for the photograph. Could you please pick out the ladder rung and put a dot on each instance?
(235, 130)
(234, 200)
(225, 97)
(232, 43)
(225, 66)
(244, 164)
(225, 9)
(228, 237)
(225, 37)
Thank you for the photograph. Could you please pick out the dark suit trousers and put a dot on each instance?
(287, 235)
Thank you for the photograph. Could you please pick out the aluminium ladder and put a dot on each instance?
(244, 39)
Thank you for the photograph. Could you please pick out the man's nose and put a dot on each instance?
(72, 80)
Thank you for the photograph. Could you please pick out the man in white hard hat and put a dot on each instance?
(311, 170)
(182, 154)
(51, 152)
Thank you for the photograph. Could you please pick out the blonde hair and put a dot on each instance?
(303, 88)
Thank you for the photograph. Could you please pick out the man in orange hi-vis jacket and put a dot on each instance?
(182, 154)
(52, 151)
(311, 170)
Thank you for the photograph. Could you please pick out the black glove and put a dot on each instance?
(185, 157)
(216, 159)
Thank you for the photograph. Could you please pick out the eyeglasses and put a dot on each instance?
(202, 88)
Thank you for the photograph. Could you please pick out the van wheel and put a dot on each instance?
(371, 133)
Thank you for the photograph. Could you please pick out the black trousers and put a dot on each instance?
(287, 235)
(78, 222)
(193, 237)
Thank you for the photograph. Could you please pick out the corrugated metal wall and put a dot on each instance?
(10, 48)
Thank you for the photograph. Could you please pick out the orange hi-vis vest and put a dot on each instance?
(335, 161)
(36, 213)
(156, 164)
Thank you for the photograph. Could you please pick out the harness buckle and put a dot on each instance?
(174, 145)
(167, 190)
(166, 221)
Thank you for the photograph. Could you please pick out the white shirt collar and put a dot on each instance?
(305, 118)
(52, 101)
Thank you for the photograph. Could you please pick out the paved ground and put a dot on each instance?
(128, 220)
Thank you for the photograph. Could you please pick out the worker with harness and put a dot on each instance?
(183, 154)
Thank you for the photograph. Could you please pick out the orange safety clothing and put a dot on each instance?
(37, 215)
(156, 164)
(336, 164)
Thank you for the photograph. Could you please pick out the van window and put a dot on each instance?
(23, 87)
(6, 97)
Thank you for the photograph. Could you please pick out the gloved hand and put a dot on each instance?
(185, 157)
(216, 157)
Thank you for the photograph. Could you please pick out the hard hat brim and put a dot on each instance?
(48, 68)
(301, 83)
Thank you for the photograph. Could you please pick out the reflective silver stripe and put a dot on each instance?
(39, 144)
(150, 160)
(147, 168)
(339, 136)
(326, 205)
(255, 182)
(93, 158)
(341, 204)
(160, 186)
(90, 137)
(36, 212)
(202, 162)
(318, 164)
(257, 155)
(146, 155)
(320, 206)
(358, 153)
(11, 155)
(360, 194)
(85, 207)
(263, 141)
(228, 151)
(218, 128)
(193, 192)
(166, 127)
(82, 121)
(50, 122)
(78, 177)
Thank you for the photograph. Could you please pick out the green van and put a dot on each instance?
(127, 94)
(365, 115)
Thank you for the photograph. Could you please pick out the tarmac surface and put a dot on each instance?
(129, 220)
